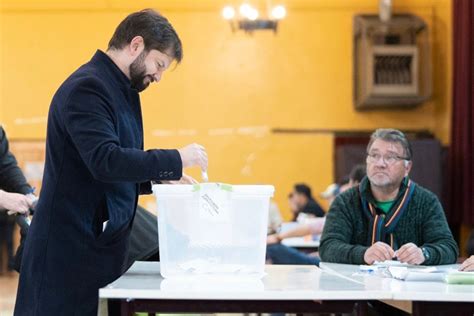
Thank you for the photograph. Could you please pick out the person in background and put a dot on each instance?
(15, 197)
(388, 215)
(468, 264)
(292, 204)
(281, 254)
(356, 175)
(358, 172)
(278, 253)
(274, 218)
(331, 192)
(306, 205)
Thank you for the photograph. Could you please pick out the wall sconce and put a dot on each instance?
(248, 18)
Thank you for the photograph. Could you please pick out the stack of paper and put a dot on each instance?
(460, 277)
(427, 274)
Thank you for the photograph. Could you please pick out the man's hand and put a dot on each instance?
(273, 239)
(467, 265)
(411, 254)
(194, 155)
(15, 202)
(379, 251)
(185, 179)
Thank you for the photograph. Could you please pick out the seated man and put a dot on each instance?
(388, 215)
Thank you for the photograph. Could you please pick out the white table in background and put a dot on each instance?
(285, 288)
(301, 243)
(425, 297)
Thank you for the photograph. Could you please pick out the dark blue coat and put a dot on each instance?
(95, 169)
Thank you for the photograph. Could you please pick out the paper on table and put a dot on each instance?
(426, 274)
(390, 263)
(460, 277)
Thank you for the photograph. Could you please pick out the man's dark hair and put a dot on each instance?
(358, 172)
(155, 29)
(303, 189)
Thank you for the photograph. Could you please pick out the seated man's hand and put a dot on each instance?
(15, 202)
(467, 265)
(411, 254)
(379, 251)
(273, 239)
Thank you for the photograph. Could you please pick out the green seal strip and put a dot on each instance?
(222, 186)
(226, 187)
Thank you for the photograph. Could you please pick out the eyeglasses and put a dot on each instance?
(389, 159)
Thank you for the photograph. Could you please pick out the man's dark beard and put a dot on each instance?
(138, 73)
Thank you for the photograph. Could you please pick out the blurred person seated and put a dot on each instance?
(331, 192)
(15, 197)
(305, 204)
(278, 253)
(358, 172)
(353, 179)
(274, 218)
(313, 226)
(281, 254)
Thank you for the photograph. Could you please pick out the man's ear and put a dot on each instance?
(408, 165)
(136, 47)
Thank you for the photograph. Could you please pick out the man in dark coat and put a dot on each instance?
(95, 168)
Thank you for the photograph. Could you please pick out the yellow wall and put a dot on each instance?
(231, 89)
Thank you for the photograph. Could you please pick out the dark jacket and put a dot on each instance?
(95, 168)
(313, 208)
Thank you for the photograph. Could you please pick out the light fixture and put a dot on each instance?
(245, 10)
(248, 18)
(228, 13)
(278, 12)
(253, 14)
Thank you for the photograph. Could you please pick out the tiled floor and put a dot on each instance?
(8, 286)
